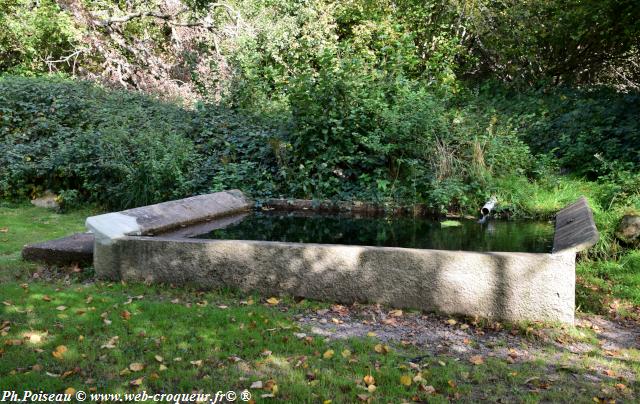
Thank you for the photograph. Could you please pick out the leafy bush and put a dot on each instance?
(117, 148)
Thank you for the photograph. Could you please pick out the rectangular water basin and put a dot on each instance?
(503, 270)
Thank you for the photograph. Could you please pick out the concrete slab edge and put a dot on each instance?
(165, 216)
(575, 228)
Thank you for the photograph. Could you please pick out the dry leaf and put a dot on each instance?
(395, 313)
(4, 230)
(427, 389)
(136, 367)
(405, 380)
(476, 360)
(136, 382)
(162, 368)
(125, 315)
(328, 354)
(346, 353)
(369, 380)
(159, 358)
(451, 321)
(154, 376)
(383, 349)
(273, 301)
(371, 388)
(61, 308)
(59, 352)
(70, 391)
(256, 385)
(197, 363)
(46, 298)
(371, 334)
(111, 343)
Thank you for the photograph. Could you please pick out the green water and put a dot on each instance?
(468, 235)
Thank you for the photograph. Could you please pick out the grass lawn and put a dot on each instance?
(62, 330)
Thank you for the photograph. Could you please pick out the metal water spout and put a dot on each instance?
(487, 208)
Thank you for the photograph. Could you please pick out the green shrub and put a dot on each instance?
(116, 148)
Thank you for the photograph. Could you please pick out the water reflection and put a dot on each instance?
(468, 235)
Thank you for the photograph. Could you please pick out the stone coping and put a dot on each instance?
(575, 228)
(162, 217)
(77, 248)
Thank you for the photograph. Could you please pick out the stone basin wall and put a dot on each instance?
(508, 286)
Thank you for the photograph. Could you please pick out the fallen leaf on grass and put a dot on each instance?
(256, 385)
(371, 388)
(476, 360)
(136, 382)
(159, 358)
(70, 391)
(197, 363)
(46, 298)
(405, 380)
(273, 301)
(328, 354)
(427, 389)
(125, 314)
(346, 353)
(272, 386)
(383, 349)
(4, 229)
(396, 313)
(162, 368)
(111, 344)
(61, 308)
(452, 321)
(369, 380)
(59, 352)
(364, 397)
(452, 384)
(371, 334)
(136, 367)
(154, 376)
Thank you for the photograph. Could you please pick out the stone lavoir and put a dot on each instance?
(155, 244)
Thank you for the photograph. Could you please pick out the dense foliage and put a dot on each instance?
(441, 103)
(395, 144)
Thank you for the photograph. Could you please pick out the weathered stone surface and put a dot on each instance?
(629, 228)
(575, 228)
(357, 207)
(75, 249)
(162, 217)
(509, 286)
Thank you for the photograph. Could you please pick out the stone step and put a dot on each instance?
(74, 249)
